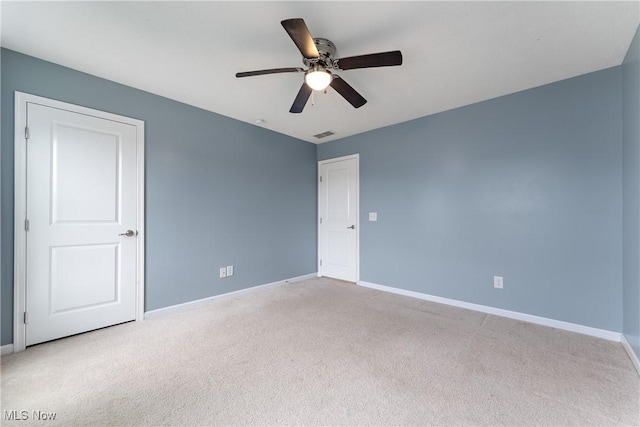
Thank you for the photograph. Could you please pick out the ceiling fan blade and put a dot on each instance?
(347, 92)
(301, 99)
(270, 71)
(301, 36)
(382, 59)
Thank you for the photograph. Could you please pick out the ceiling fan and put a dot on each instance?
(318, 55)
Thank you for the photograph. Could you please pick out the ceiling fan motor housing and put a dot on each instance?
(327, 50)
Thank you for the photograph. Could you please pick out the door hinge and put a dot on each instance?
(26, 132)
(320, 178)
(321, 262)
(320, 220)
(26, 225)
(26, 318)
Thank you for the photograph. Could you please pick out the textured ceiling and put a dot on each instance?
(455, 53)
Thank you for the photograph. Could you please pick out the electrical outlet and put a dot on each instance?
(498, 282)
(229, 270)
(223, 272)
(373, 216)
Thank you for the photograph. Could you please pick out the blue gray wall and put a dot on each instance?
(631, 193)
(218, 191)
(527, 186)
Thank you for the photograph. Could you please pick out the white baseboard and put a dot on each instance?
(558, 324)
(632, 355)
(6, 349)
(197, 303)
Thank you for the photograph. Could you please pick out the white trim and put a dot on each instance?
(20, 213)
(160, 312)
(558, 324)
(355, 157)
(632, 355)
(20, 203)
(6, 349)
(141, 189)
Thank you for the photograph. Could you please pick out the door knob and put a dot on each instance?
(128, 233)
(353, 227)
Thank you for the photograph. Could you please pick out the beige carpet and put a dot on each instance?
(324, 352)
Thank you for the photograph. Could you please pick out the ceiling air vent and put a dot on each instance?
(324, 134)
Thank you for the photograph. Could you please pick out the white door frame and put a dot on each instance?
(355, 157)
(20, 205)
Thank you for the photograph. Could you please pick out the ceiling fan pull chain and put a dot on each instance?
(313, 101)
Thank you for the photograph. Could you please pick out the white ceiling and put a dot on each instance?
(455, 53)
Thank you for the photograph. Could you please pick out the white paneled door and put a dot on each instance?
(338, 222)
(81, 235)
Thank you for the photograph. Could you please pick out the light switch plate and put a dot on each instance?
(229, 270)
(373, 216)
(498, 282)
(223, 272)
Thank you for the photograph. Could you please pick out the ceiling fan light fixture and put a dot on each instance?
(318, 78)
